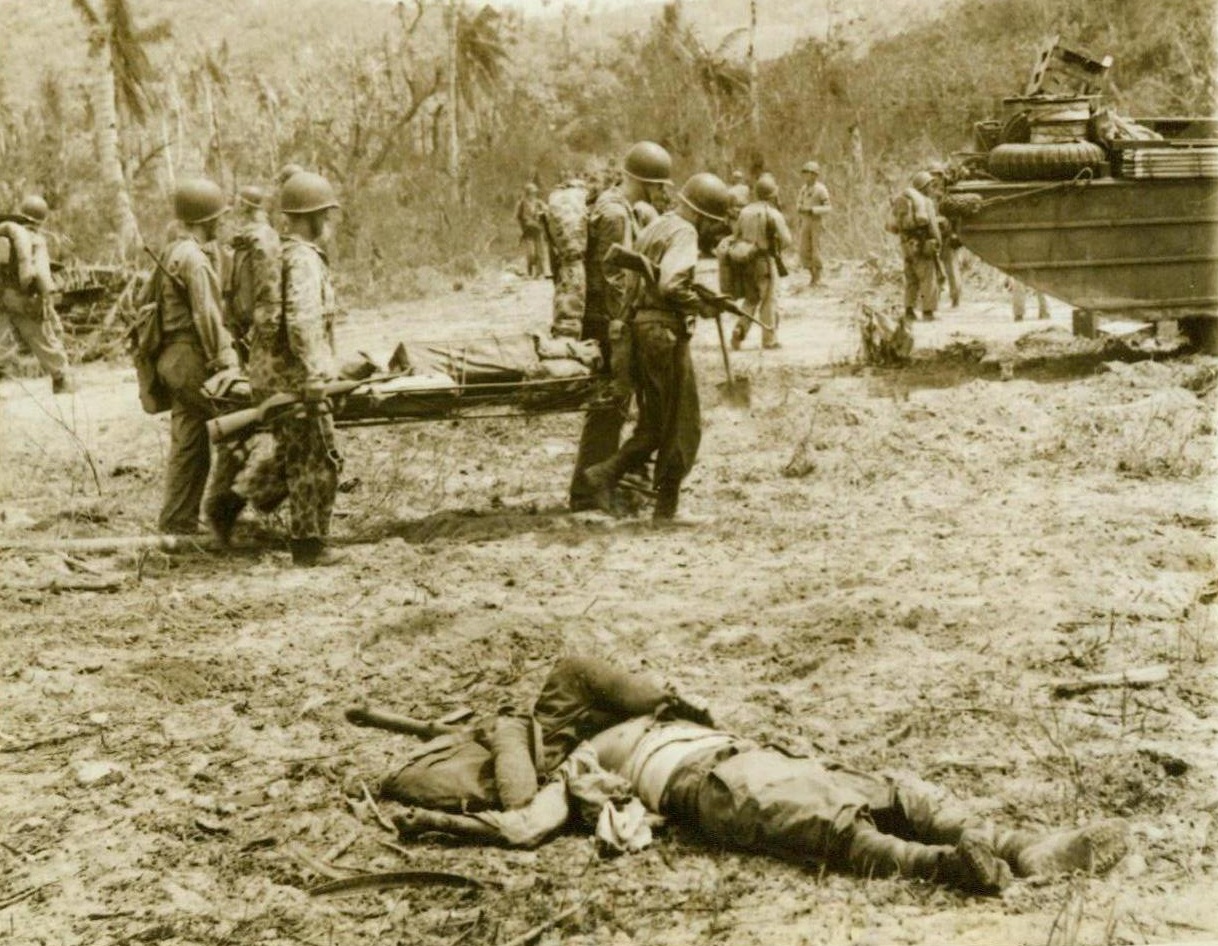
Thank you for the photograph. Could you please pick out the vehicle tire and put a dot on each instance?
(1201, 332)
(1059, 161)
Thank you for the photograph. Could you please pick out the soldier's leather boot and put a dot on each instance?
(602, 478)
(62, 384)
(308, 553)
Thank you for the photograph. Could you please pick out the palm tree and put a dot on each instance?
(120, 86)
(477, 57)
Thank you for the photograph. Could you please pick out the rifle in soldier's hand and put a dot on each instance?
(623, 258)
(241, 424)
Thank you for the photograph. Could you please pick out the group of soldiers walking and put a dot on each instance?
(261, 304)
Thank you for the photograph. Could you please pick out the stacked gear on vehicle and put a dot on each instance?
(1060, 128)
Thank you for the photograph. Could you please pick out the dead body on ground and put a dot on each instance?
(623, 751)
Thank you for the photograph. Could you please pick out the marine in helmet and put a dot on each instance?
(530, 217)
(290, 353)
(811, 206)
(914, 219)
(196, 345)
(670, 422)
(613, 219)
(26, 290)
(741, 195)
(760, 237)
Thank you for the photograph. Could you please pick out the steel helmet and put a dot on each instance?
(646, 161)
(766, 187)
(286, 173)
(706, 194)
(198, 200)
(737, 177)
(305, 193)
(811, 167)
(530, 188)
(938, 169)
(252, 196)
(921, 180)
(33, 209)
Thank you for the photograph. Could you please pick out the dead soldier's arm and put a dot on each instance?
(303, 318)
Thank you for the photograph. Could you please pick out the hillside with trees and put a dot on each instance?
(362, 92)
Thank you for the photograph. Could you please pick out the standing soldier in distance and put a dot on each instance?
(195, 345)
(289, 354)
(740, 194)
(670, 422)
(530, 210)
(646, 170)
(811, 203)
(949, 242)
(255, 265)
(915, 220)
(26, 288)
(762, 225)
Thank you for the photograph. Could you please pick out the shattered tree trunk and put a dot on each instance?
(122, 214)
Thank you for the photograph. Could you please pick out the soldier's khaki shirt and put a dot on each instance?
(813, 199)
(191, 302)
(671, 242)
(288, 343)
(759, 222)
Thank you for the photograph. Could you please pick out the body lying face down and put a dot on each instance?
(625, 750)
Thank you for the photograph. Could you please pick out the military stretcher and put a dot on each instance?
(505, 376)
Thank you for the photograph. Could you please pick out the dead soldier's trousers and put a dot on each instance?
(38, 328)
(303, 470)
(182, 368)
(670, 419)
(807, 811)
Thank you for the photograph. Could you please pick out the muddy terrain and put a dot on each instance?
(901, 568)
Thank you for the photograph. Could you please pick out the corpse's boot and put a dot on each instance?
(1093, 849)
(309, 553)
(971, 866)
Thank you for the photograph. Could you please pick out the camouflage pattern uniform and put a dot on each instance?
(288, 352)
(567, 227)
(195, 345)
(611, 221)
(25, 298)
(253, 279)
(670, 419)
(763, 225)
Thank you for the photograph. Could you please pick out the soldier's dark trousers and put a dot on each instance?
(802, 810)
(183, 369)
(304, 469)
(670, 420)
(602, 431)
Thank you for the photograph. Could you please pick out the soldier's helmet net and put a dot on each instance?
(648, 162)
(811, 168)
(198, 200)
(706, 194)
(307, 193)
(33, 209)
(921, 180)
(252, 196)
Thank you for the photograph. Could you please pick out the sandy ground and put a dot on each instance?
(899, 566)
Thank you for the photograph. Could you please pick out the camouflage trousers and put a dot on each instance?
(570, 284)
(303, 470)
